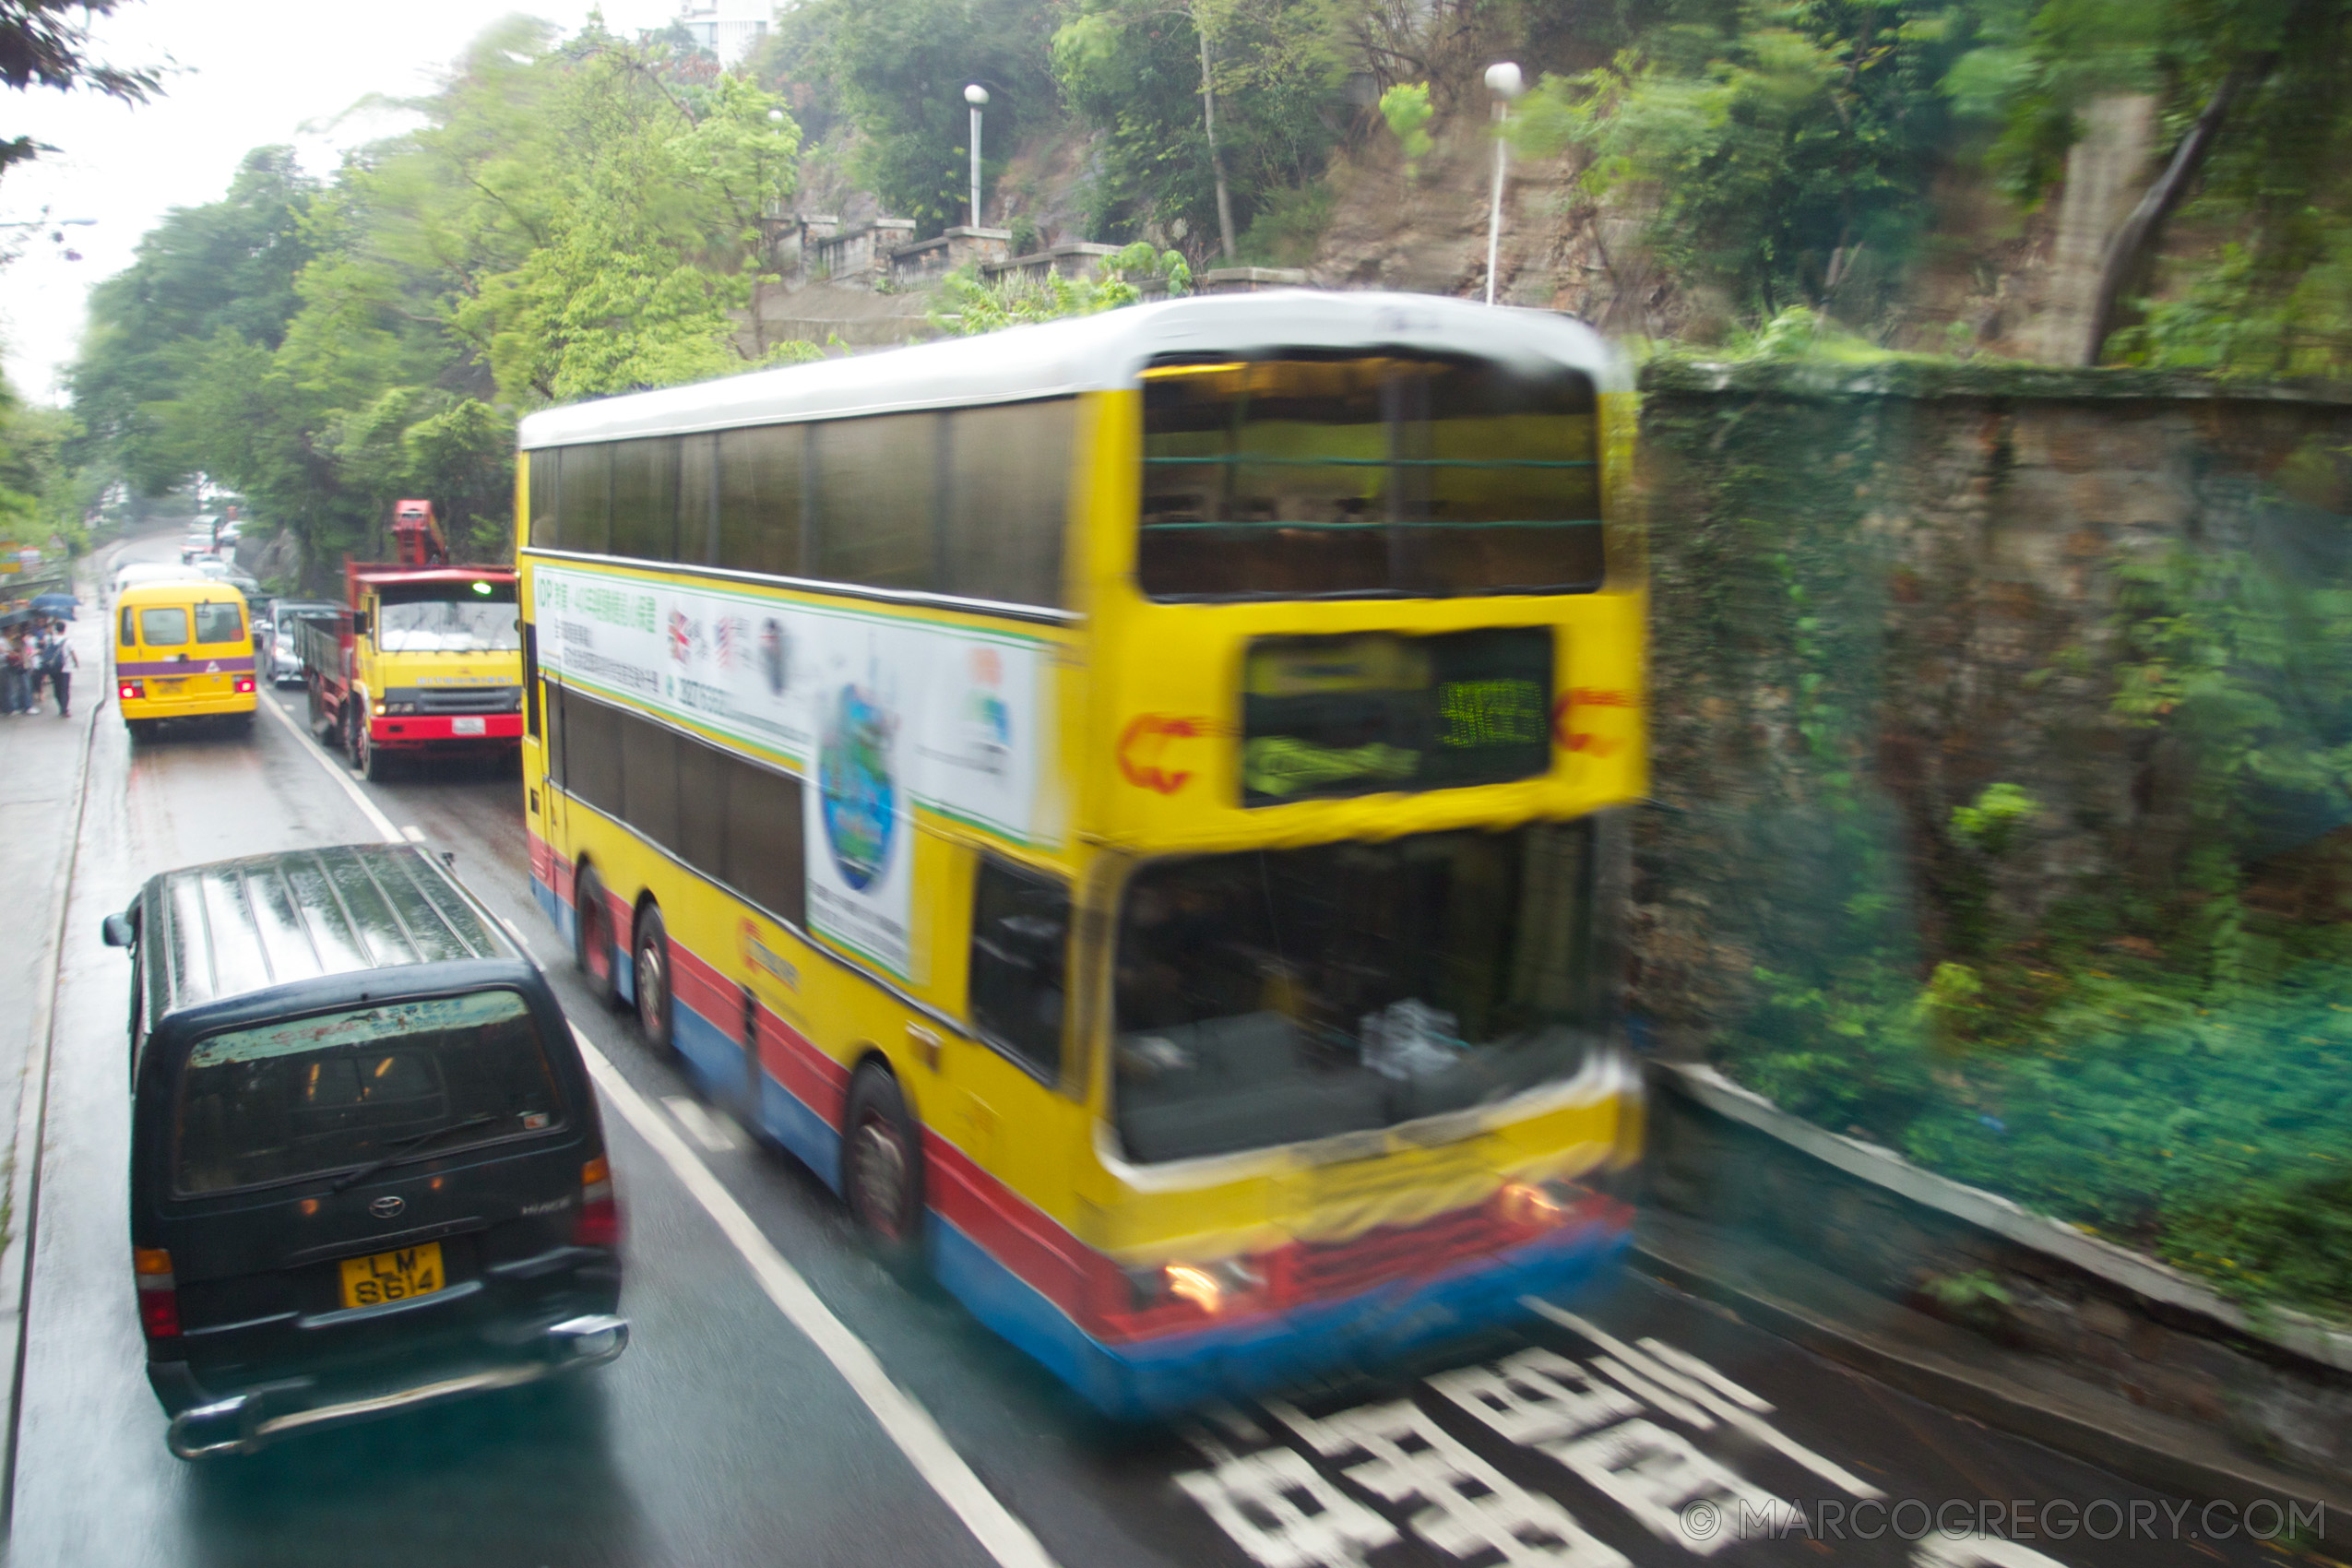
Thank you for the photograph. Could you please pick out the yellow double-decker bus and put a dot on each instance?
(1128, 801)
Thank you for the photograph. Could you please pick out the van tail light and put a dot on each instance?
(159, 1292)
(245, 682)
(131, 691)
(599, 1221)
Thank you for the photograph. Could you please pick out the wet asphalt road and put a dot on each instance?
(1654, 1428)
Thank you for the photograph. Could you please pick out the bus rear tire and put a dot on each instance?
(592, 937)
(651, 974)
(882, 1173)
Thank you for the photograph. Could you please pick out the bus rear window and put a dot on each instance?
(1276, 997)
(1302, 477)
(335, 1090)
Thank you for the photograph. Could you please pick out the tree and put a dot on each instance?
(43, 45)
(2254, 92)
(576, 216)
(1208, 110)
(901, 67)
(1785, 147)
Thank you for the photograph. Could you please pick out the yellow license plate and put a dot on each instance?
(170, 688)
(393, 1276)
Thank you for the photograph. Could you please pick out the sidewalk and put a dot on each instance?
(43, 762)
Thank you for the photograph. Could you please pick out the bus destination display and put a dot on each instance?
(1356, 714)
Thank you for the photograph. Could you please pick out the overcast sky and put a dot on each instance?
(249, 73)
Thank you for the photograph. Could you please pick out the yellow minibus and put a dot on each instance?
(183, 649)
(1135, 803)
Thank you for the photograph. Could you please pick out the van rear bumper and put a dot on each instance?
(245, 1423)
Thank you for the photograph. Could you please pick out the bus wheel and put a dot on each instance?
(882, 1171)
(656, 1011)
(592, 937)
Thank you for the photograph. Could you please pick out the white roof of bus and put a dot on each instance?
(1089, 354)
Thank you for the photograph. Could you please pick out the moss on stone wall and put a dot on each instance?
(2000, 713)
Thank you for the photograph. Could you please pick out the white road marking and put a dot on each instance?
(413, 834)
(1004, 1536)
(714, 1131)
(377, 819)
(1739, 1415)
(909, 1425)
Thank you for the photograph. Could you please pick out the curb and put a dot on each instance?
(32, 1113)
(2166, 1453)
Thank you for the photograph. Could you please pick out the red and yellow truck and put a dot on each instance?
(425, 658)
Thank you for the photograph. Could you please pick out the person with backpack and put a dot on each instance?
(58, 662)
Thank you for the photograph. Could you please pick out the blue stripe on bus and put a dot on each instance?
(717, 1062)
(1146, 1379)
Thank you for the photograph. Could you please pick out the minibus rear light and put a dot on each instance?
(245, 682)
(132, 691)
(159, 1292)
(599, 1221)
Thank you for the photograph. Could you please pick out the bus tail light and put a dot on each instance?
(245, 683)
(159, 1292)
(599, 1221)
(1214, 1288)
(131, 691)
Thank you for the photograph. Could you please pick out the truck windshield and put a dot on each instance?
(449, 625)
(335, 1090)
(1276, 996)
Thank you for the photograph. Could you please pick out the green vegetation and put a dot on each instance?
(969, 306)
(2158, 1048)
(574, 217)
(1407, 110)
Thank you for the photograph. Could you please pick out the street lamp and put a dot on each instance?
(975, 95)
(1504, 80)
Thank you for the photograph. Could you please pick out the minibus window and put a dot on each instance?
(308, 1096)
(164, 627)
(130, 628)
(219, 623)
(1276, 996)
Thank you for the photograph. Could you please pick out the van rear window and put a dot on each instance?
(324, 1093)
(219, 623)
(163, 627)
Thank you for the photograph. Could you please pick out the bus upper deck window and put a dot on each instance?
(1304, 477)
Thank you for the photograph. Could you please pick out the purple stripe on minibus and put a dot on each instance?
(230, 666)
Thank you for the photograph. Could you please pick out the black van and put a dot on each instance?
(367, 1171)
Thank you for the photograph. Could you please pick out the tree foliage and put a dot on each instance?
(1784, 148)
(1131, 70)
(899, 69)
(46, 43)
(575, 217)
(970, 306)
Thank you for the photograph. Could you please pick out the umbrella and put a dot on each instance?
(60, 605)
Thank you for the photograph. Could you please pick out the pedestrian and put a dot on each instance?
(36, 645)
(58, 661)
(12, 673)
